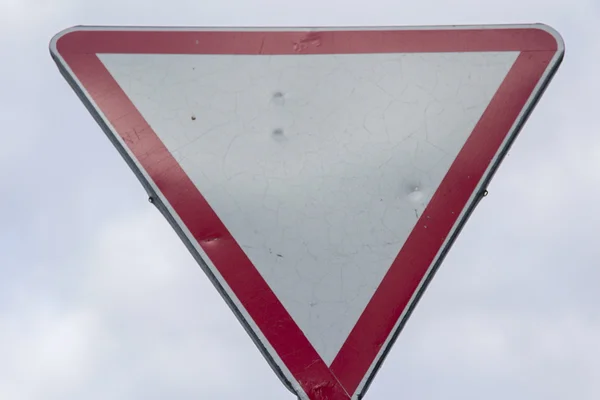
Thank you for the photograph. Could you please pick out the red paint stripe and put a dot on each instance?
(410, 267)
(78, 48)
(305, 42)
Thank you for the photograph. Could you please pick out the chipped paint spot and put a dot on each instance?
(278, 98)
(312, 39)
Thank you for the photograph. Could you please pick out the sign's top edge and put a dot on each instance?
(130, 28)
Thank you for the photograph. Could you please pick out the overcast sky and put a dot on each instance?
(100, 300)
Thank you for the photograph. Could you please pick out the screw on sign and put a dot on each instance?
(319, 176)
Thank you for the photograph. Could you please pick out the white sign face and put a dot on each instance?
(317, 175)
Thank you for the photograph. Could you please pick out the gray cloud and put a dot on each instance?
(98, 299)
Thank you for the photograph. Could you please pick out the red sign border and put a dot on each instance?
(538, 48)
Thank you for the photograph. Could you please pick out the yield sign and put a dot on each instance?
(317, 175)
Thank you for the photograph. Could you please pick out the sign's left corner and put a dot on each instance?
(54, 44)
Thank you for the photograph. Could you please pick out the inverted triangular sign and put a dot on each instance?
(318, 175)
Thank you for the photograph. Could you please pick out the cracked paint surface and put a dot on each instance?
(320, 165)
